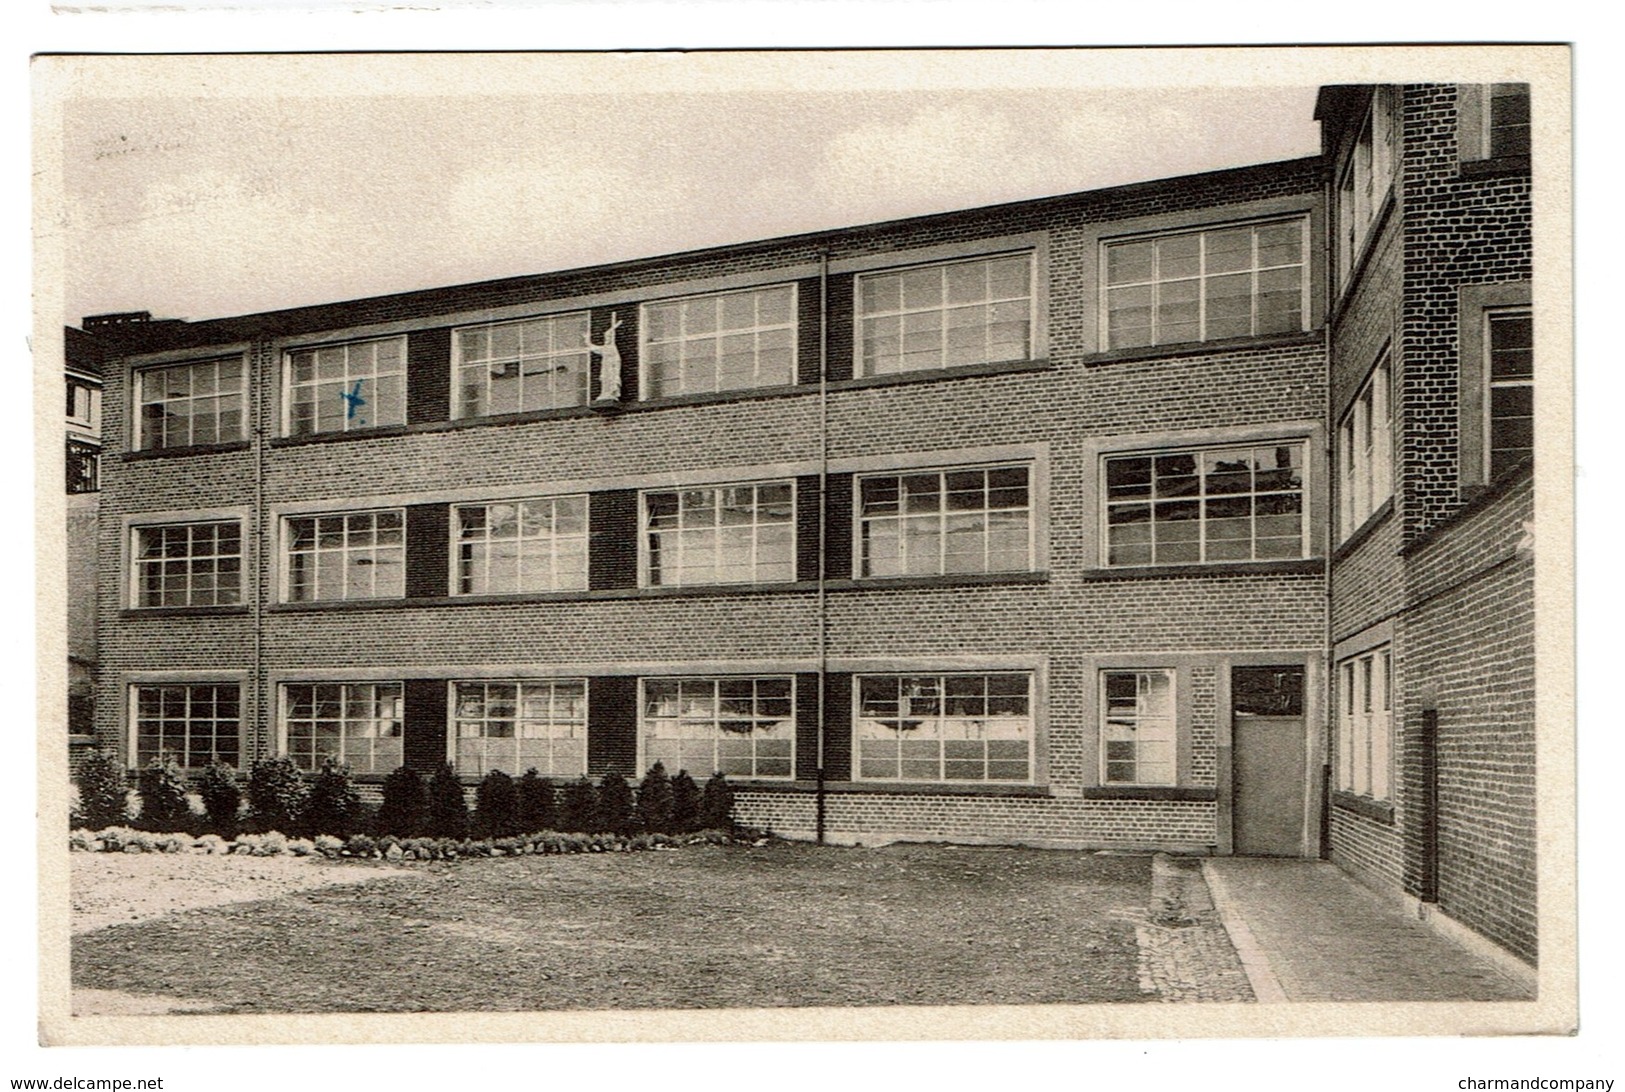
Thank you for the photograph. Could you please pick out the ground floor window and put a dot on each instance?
(191, 722)
(969, 727)
(741, 727)
(515, 726)
(1138, 729)
(1365, 723)
(358, 724)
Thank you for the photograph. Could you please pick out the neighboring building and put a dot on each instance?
(1009, 524)
(1432, 577)
(84, 447)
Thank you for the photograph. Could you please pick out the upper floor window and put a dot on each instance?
(356, 724)
(942, 316)
(517, 725)
(1367, 175)
(1138, 729)
(535, 545)
(1365, 724)
(336, 388)
(967, 727)
(731, 534)
(935, 522)
(348, 555)
(512, 367)
(1510, 338)
(741, 727)
(1365, 452)
(84, 400)
(188, 565)
(190, 722)
(1205, 285)
(1506, 121)
(182, 405)
(727, 341)
(1216, 504)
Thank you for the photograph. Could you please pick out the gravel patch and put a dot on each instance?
(120, 888)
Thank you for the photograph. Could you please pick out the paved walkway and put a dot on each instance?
(1307, 932)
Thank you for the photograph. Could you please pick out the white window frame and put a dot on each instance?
(458, 541)
(938, 720)
(517, 767)
(184, 758)
(460, 410)
(396, 755)
(138, 564)
(289, 386)
(1199, 452)
(645, 564)
(1491, 384)
(1168, 723)
(1365, 725)
(1304, 265)
(1365, 451)
(85, 415)
(943, 514)
(861, 364)
(140, 379)
(287, 551)
(647, 756)
(646, 367)
(1366, 178)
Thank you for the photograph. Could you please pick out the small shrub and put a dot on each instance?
(496, 806)
(361, 845)
(209, 843)
(82, 840)
(103, 790)
(162, 786)
(537, 804)
(276, 796)
(327, 845)
(301, 847)
(448, 810)
(333, 802)
(614, 805)
(717, 804)
(579, 810)
(405, 808)
(655, 800)
(685, 804)
(222, 797)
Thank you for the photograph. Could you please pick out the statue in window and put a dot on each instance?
(609, 361)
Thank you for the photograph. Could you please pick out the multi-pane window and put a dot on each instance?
(514, 726)
(346, 555)
(356, 724)
(183, 405)
(1511, 343)
(512, 367)
(189, 564)
(1365, 452)
(1367, 177)
(190, 722)
(522, 546)
(1137, 727)
(1217, 504)
(742, 727)
(728, 341)
(942, 316)
(336, 388)
(732, 534)
(1506, 121)
(945, 521)
(1365, 724)
(1205, 285)
(970, 727)
(82, 404)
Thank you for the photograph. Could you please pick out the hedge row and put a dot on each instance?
(387, 848)
(280, 797)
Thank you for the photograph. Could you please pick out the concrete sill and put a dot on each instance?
(1308, 566)
(1151, 792)
(1364, 531)
(176, 452)
(1203, 348)
(1377, 810)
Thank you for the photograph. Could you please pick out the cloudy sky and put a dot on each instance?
(198, 187)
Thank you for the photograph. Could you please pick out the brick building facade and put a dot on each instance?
(1010, 524)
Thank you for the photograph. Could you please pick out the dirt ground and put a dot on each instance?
(701, 927)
